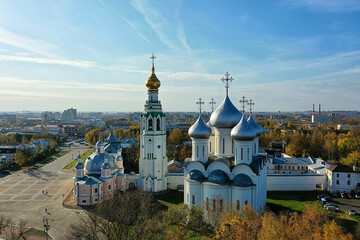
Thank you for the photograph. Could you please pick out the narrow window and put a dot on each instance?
(187, 198)
(210, 146)
(255, 148)
(337, 181)
(214, 204)
(232, 146)
(207, 204)
(223, 145)
(337, 175)
(150, 124)
(197, 151)
(96, 190)
(242, 154)
(246, 202)
(221, 205)
(109, 187)
(158, 124)
(193, 199)
(348, 175)
(203, 151)
(237, 204)
(348, 182)
(236, 153)
(248, 153)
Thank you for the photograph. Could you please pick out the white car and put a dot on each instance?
(333, 208)
(352, 212)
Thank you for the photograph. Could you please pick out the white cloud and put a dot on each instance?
(338, 6)
(33, 45)
(83, 64)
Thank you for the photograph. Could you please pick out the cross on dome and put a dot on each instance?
(226, 81)
(251, 104)
(153, 59)
(200, 102)
(212, 103)
(243, 102)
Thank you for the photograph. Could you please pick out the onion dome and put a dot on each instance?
(106, 164)
(79, 164)
(242, 180)
(200, 130)
(153, 82)
(226, 115)
(243, 131)
(254, 124)
(196, 175)
(118, 158)
(219, 177)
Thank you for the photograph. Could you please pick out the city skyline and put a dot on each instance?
(284, 55)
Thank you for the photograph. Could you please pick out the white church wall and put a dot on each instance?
(243, 195)
(174, 180)
(213, 191)
(295, 183)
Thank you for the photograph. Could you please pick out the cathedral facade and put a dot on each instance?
(225, 166)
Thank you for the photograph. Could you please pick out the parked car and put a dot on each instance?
(352, 212)
(321, 196)
(327, 205)
(333, 209)
(344, 195)
(328, 199)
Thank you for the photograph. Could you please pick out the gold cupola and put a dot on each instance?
(153, 82)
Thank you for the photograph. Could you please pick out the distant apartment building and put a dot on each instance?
(69, 115)
(8, 118)
(49, 116)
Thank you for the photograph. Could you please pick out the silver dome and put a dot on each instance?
(254, 124)
(99, 143)
(243, 131)
(200, 130)
(212, 129)
(226, 115)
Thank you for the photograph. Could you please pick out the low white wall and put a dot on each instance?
(174, 180)
(304, 182)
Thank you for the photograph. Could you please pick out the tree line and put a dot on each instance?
(340, 148)
(137, 215)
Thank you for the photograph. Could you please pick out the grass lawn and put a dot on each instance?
(83, 156)
(171, 199)
(291, 201)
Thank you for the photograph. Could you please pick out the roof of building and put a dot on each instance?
(112, 138)
(243, 131)
(129, 140)
(340, 168)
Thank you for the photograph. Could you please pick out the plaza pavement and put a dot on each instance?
(22, 195)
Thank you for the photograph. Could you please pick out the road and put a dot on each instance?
(23, 195)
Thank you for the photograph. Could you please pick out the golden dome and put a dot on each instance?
(153, 82)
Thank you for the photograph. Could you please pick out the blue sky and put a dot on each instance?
(93, 55)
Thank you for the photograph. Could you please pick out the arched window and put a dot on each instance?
(197, 151)
(158, 124)
(203, 151)
(242, 154)
(246, 202)
(150, 124)
(223, 145)
(237, 204)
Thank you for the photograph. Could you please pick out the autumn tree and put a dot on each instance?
(93, 136)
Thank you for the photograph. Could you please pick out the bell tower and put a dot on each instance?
(153, 160)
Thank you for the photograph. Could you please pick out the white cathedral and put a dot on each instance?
(225, 166)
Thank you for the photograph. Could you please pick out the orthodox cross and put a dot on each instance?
(243, 102)
(200, 102)
(212, 103)
(226, 81)
(153, 58)
(251, 104)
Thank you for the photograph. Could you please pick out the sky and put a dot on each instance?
(94, 55)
